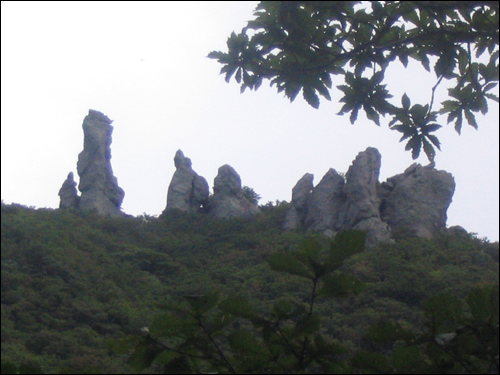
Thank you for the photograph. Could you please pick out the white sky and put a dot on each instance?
(144, 65)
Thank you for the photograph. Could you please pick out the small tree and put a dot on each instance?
(251, 195)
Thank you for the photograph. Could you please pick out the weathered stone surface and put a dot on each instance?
(325, 204)
(187, 191)
(297, 213)
(416, 201)
(361, 187)
(68, 193)
(228, 200)
(98, 185)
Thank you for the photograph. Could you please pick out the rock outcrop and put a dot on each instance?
(416, 201)
(68, 193)
(325, 204)
(187, 191)
(98, 185)
(413, 202)
(228, 200)
(297, 213)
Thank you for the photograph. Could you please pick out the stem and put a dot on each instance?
(223, 357)
(432, 96)
(313, 295)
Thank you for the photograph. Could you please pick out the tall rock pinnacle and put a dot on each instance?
(98, 185)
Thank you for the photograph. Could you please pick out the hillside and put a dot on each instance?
(73, 280)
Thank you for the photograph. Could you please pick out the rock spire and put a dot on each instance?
(98, 185)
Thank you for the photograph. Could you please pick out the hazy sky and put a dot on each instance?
(144, 66)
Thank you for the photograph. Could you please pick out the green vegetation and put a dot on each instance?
(299, 45)
(78, 290)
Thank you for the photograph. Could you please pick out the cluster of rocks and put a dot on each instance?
(414, 202)
(98, 186)
(189, 192)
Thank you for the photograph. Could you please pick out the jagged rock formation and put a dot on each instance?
(415, 201)
(228, 200)
(187, 191)
(98, 185)
(297, 213)
(68, 193)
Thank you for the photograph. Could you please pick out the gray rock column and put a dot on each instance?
(187, 191)
(98, 185)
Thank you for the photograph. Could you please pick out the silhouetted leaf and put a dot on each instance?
(483, 304)
(340, 285)
(286, 262)
(203, 304)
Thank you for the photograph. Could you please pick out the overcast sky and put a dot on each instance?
(144, 66)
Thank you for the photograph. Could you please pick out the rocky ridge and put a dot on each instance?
(414, 202)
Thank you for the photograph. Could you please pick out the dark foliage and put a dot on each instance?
(299, 45)
(72, 281)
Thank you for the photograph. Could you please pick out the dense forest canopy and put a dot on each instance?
(77, 285)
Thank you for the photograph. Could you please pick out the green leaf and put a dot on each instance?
(307, 325)
(179, 365)
(202, 304)
(171, 325)
(471, 119)
(371, 114)
(286, 262)
(458, 123)
(285, 309)
(414, 144)
(434, 140)
(444, 312)
(308, 253)
(220, 320)
(408, 360)
(483, 304)
(245, 342)
(405, 101)
(143, 355)
(344, 245)
(388, 332)
(375, 363)
(310, 97)
(340, 285)
(239, 306)
(325, 347)
(428, 149)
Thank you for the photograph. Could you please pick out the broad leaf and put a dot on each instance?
(202, 304)
(340, 285)
(239, 306)
(483, 304)
(286, 262)
(345, 244)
